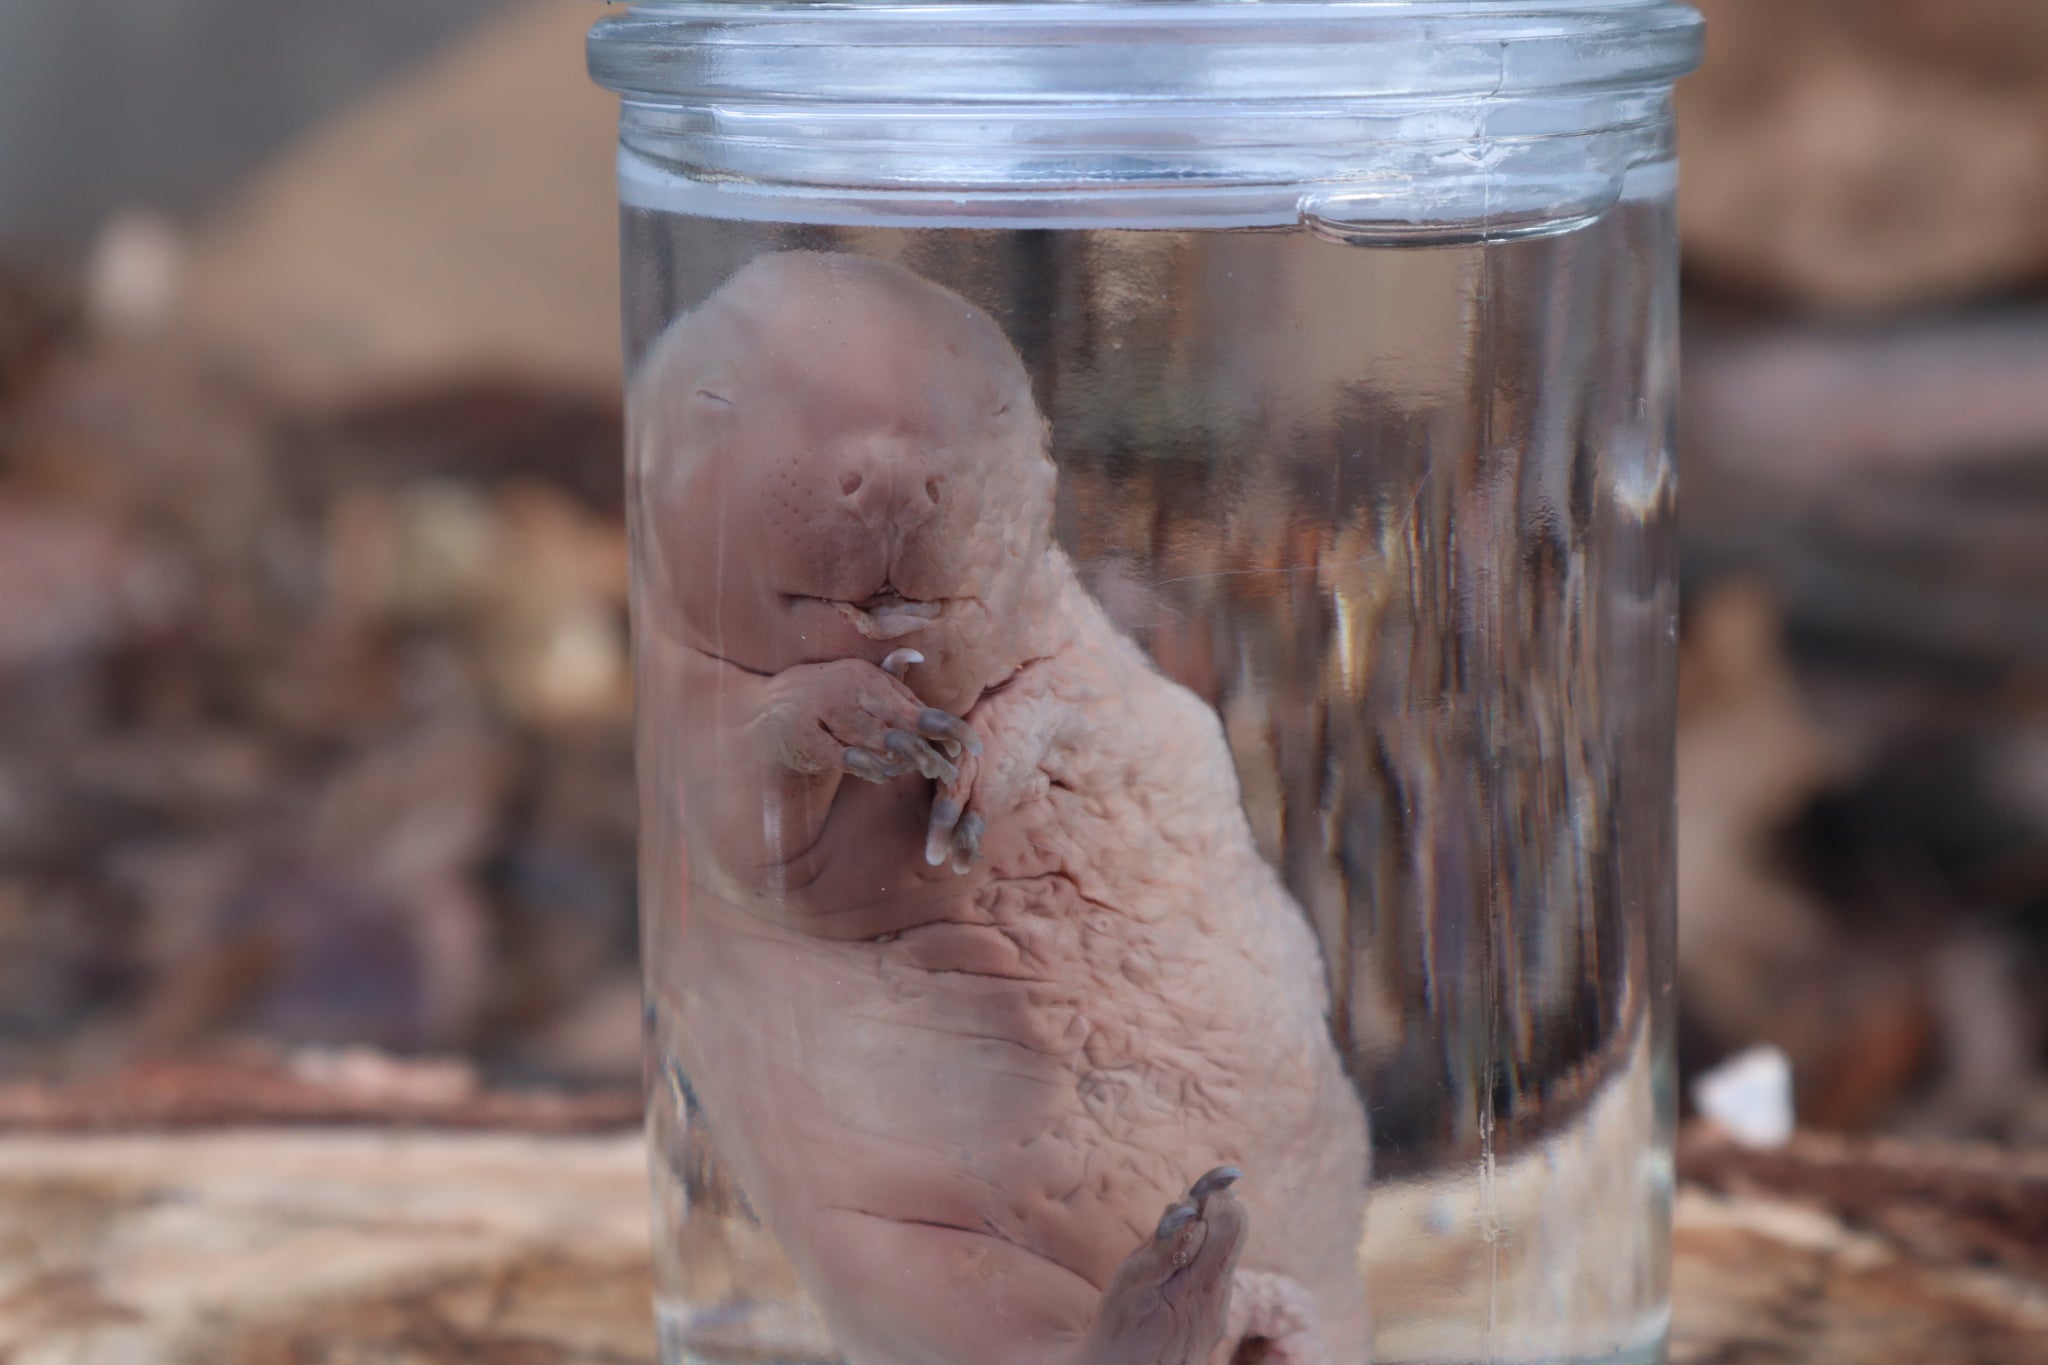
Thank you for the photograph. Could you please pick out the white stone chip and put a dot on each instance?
(1749, 1097)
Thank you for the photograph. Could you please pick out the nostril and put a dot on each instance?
(931, 489)
(849, 483)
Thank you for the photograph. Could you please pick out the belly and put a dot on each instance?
(938, 1075)
(1023, 1062)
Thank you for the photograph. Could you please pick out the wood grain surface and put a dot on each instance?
(327, 1245)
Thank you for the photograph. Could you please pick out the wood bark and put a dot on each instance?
(419, 1246)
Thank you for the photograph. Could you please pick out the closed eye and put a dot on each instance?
(714, 397)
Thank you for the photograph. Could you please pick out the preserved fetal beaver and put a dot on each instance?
(979, 970)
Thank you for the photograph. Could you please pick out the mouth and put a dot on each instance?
(888, 615)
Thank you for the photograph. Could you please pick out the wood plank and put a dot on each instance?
(261, 1247)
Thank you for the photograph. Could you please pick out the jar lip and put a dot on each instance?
(1026, 52)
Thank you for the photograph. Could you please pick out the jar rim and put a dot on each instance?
(1077, 52)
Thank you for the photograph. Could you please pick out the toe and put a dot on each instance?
(939, 834)
(967, 841)
(909, 749)
(1176, 1217)
(899, 661)
(933, 723)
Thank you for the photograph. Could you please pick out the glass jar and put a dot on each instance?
(1154, 622)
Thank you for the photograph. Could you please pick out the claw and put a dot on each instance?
(868, 768)
(1222, 1178)
(967, 842)
(937, 724)
(899, 661)
(1176, 1217)
(945, 815)
(920, 755)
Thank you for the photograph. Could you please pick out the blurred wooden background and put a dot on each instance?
(313, 691)
(335, 752)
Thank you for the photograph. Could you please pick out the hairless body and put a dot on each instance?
(978, 969)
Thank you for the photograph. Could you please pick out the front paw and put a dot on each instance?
(991, 783)
(959, 813)
(954, 834)
(853, 718)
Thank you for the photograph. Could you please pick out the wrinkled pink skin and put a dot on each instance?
(969, 1103)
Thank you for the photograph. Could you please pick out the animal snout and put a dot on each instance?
(886, 499)
(869, 491)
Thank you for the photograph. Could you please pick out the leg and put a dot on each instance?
(897, 1293)
(1169, 1302)
(900, 1293)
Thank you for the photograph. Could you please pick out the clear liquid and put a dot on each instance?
(1402, 520)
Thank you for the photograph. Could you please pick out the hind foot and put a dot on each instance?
(1169, 1302)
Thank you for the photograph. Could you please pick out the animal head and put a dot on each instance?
(836, 458)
